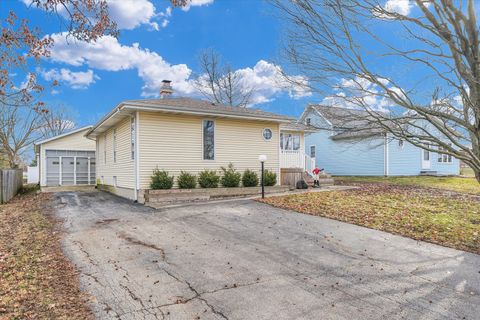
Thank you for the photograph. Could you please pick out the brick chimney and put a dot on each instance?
(166, 89)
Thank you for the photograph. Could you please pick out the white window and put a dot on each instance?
(105, 148)
(289, 141)
(208, 140)
(114, 145)
(267, 134)
(312, 151)
(442, 157)
(132, 137)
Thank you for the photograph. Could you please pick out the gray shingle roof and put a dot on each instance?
(297, 126)
(349, 123)
(189, 104)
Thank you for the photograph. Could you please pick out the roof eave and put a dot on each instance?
(168, 109)
(37, 143)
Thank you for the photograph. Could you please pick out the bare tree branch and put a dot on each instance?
(219, 83)
(340, 44)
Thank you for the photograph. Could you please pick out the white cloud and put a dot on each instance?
(129, 14)
(402, 7)
(109, 55)
(196, 3)
(75, 80)
(267, 81)
(360, 92)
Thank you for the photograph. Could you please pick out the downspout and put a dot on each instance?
(386, 156)
(137, 157)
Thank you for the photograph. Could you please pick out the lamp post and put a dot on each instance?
(262, 158)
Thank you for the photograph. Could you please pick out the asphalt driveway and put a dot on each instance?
(246, 260)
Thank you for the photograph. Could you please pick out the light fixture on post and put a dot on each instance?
(262, 158)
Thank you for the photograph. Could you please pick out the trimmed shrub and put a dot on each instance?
(231, 178)
(270, 178)
(208, 179)
(250, 178)
(161, 180)
(186, 180)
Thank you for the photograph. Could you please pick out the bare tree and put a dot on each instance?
(20, 126)
(219, 83)
(419, 65)
(56, 121)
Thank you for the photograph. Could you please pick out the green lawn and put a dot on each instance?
(458, 184)
(467, 172)
(401, 207)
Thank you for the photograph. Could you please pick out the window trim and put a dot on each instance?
(442, 156)
(263, 136)
(133, 137)
(114, 145)
(292, 134)
(214, 139)
(105, 148)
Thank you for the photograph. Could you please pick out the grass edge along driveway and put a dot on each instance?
(442, 217)
(451, 183)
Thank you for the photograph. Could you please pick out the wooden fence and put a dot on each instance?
(11, 181)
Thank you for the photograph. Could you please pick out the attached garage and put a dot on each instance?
(67, 159)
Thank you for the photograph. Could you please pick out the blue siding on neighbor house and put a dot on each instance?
(366, 157)
(445, 168)
(405, 161)
(347, 158)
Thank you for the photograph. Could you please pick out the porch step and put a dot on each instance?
(428, 173)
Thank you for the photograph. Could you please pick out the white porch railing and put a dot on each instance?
(296, 159)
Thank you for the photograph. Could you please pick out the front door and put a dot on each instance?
(426, 164)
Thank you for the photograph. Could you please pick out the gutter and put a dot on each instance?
(167, 109)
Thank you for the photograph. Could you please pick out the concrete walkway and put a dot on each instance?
(245, 260)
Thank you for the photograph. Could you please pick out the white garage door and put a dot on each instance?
(68, 167)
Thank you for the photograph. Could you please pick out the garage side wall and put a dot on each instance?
(116, 175)
(175, 143)
(75, 141)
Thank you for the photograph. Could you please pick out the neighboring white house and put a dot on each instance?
(67, 159)
(182, 134)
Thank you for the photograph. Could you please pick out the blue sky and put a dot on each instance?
(155, 44)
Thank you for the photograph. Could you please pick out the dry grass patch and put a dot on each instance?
(457, 184)
(442, 217)
(36, 280)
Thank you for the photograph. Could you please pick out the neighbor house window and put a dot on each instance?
(132, 137)
(442, 157)
(400, 143)
(308, 121)
(312, 151)
(114, 145)
(289, 141)
(267, 134)
(208, 140)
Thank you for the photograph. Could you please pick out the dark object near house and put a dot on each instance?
(301, 184)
